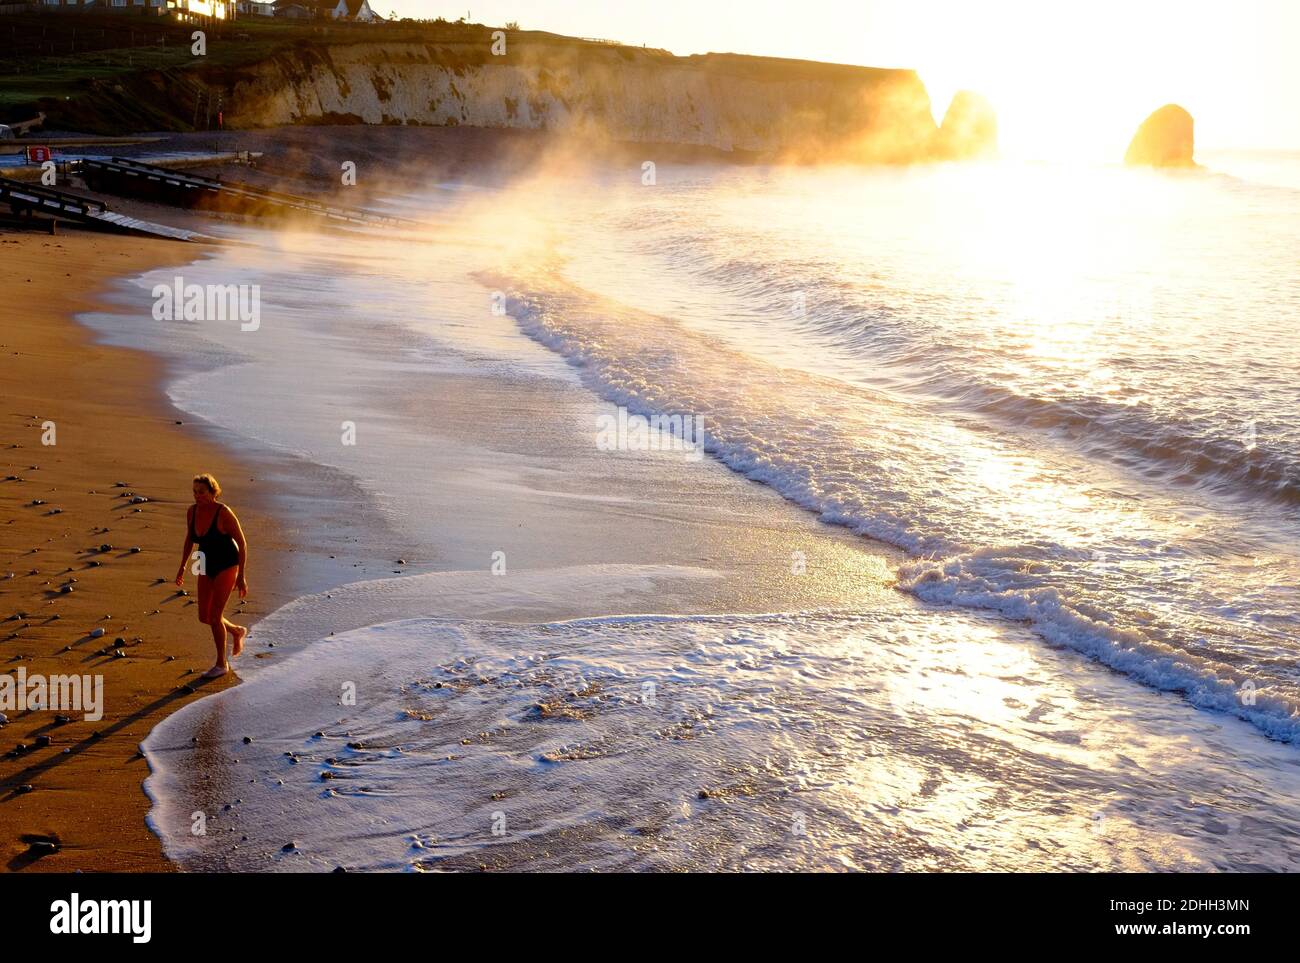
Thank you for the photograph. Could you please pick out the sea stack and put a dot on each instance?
(1164, 140)
(969, 129)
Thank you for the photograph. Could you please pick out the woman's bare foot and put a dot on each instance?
(237, 634)
(216, 672)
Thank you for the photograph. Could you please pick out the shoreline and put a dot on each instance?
(113, 423)
(624, 566)
(87, 784)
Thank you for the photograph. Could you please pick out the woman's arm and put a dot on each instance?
(185, 553)
(241, 580)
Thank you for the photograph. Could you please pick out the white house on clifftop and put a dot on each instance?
(355, 10)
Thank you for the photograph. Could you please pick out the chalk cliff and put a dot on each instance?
(1165, 139)
(969, 129)
(798, 110)
(779, 109)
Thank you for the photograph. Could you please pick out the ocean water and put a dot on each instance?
(1070, 394)
(1065, 396)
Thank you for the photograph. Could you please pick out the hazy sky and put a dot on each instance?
(1064, 77)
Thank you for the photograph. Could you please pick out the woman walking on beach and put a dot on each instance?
(222, 557)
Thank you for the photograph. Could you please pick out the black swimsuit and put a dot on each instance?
(219, 551)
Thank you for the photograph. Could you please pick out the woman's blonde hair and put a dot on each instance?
(208, 479)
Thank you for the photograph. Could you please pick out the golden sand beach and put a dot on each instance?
(113, 427)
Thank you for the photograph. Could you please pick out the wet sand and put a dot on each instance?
(112, 425)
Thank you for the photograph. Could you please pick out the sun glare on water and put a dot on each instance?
(1070, 82)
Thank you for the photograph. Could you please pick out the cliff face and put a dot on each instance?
(794, 109)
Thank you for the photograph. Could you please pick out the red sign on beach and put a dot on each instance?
(37, 154)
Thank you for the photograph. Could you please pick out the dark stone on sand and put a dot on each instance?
(42, 742)
(135, 549)
(339, 869)
(106, 547)
(96, 633)
(289, 847)
(119, 654)
(319, 735)
(248, 740)
(1165, 139)
(26, 787)
(66, 589)
(119, 641)
(326, 774)
(62, 720)
(43, 847)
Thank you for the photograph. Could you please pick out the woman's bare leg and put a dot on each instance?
(219, 588)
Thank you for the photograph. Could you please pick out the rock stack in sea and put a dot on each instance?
(969, 130)
(1165, 139)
